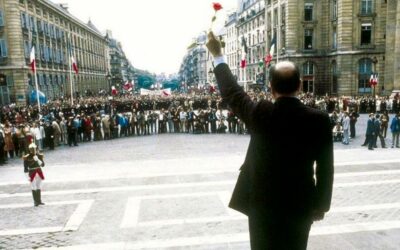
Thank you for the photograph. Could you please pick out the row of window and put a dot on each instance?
(44, 79)
(366, 8)
(52, 31)
(46, 53)
(365, 37)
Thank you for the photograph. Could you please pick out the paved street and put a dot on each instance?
(171, 192)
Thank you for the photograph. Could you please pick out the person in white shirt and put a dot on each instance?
(346, 128)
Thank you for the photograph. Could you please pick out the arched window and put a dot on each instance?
(364, 74)
(308, 77)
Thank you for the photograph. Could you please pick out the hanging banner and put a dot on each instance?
(161, 92)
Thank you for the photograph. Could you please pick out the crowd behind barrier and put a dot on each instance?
(105, 118)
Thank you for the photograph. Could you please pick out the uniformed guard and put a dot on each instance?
(33, 163)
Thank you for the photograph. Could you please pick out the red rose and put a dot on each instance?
(217, 6)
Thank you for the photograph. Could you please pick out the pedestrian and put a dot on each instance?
(377, 126)
(353, 120)
(276, 187)
(395, 128)
(33, 163)
(370, 132)
(384, 123)
(346, 128)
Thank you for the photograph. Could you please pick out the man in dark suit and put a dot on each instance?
(276, 186)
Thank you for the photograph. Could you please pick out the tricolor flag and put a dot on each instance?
(114, 91)
(128, 86)
(74, 65)
(373, 81)
(33, 60)
(244, 53)
(271, 51)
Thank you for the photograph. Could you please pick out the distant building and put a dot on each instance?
(50, 28)
(338, 44)
(120, 70)
(193, 70)
(232, 46)
(251, 31)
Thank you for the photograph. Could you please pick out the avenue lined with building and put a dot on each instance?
(117, 157)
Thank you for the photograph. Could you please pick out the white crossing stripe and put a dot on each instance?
(177, 185)
(131, 215)
(209, 172)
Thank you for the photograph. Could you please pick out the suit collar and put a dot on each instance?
(291, 100)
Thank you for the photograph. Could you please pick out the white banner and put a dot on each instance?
(161, 92)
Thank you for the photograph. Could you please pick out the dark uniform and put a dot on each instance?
(33, 163)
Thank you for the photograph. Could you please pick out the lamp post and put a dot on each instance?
(109, 81)
(374, 61)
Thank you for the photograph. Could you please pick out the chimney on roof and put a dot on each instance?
(64, 6)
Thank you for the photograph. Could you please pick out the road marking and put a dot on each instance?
(382, 206)
(355, 227)
(233, 238)
(131, 215)
(219, 171)
(73, 223)
(176, 185)
(130, 219)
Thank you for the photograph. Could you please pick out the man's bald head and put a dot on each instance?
(284, 78)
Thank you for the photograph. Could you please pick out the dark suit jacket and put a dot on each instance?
(287, 138)
(370, 127)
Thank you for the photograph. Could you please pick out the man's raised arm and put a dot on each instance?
(231, 92)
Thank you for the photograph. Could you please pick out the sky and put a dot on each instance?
(154, 33)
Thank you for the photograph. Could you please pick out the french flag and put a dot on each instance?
(270, 55)
(128, 86)
(74, 65)
(114, 91)
(244, 53)
(33, 60)
(373, 81)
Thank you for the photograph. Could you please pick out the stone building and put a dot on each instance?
(232, 47)
(50, 28)
(250, 27)
(193, 70)
(120, 70)
(338, 44)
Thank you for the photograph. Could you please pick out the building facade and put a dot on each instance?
(120, 69)
(193, 71)
(231, 43)
(250, 30)
(338, 45)
(52, 30)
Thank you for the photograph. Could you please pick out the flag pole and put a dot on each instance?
(71, 81)
(37, 88)
(70, 69)
(33, 61)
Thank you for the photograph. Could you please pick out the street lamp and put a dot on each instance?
(109, 80)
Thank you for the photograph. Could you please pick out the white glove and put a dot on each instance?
(28, 177)
(35, 158)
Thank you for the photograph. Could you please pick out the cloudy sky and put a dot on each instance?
(154, 33)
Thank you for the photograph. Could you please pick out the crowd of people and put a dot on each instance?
(104, 118)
